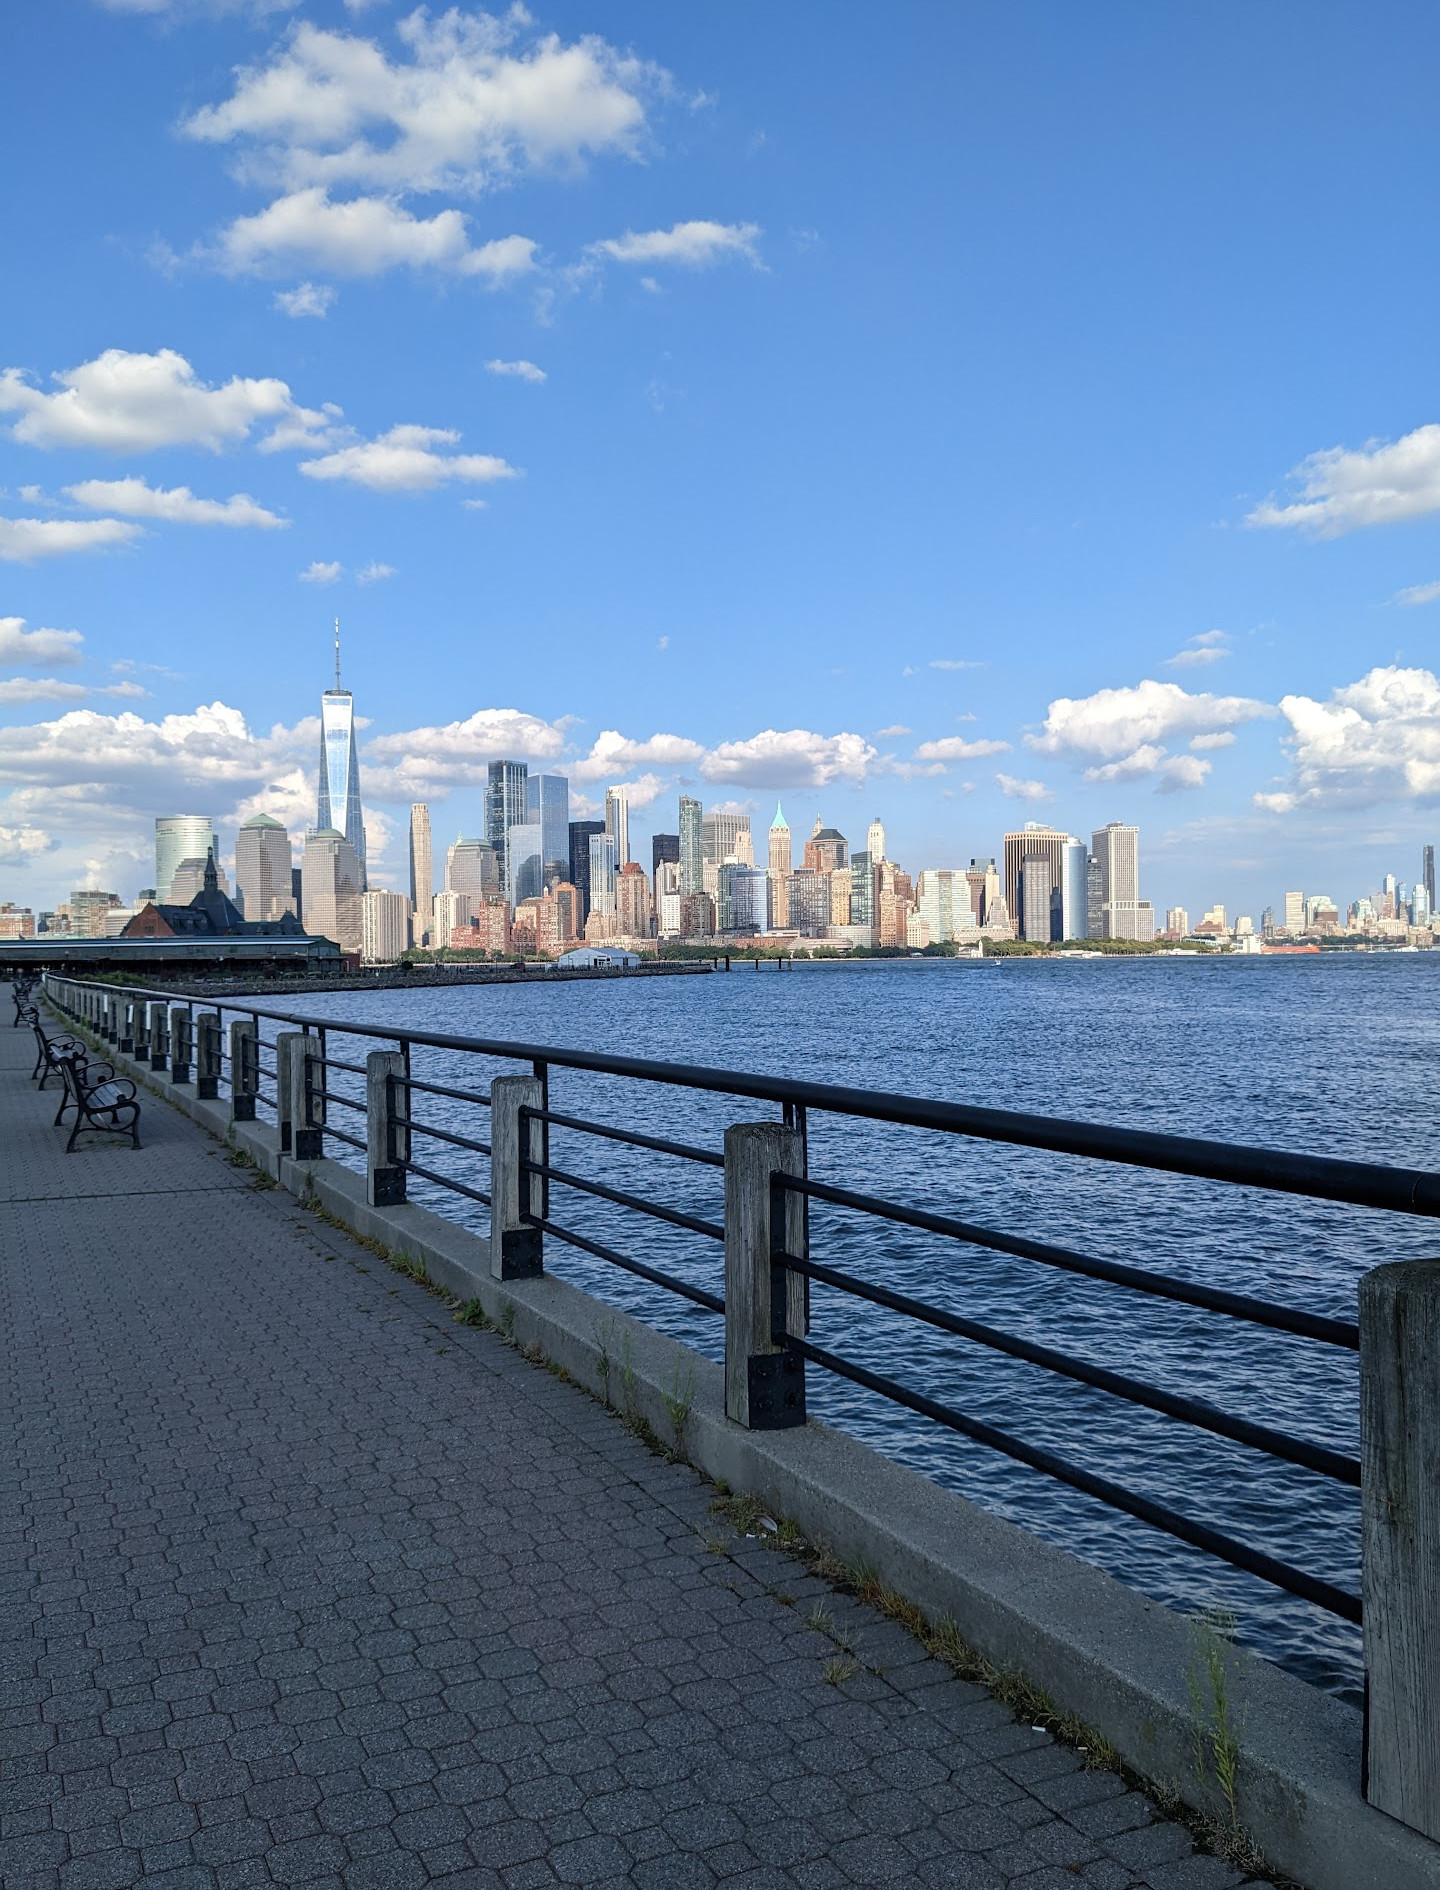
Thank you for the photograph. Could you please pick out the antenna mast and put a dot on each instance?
(337, 654)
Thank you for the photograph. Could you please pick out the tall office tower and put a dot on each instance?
(667, 899)
(1035, 894)
(1427, 874)
(840, 895)
(384, 926)
(826, 851)
(983, 879)
(726, 837)
(180, 837)
(603, 872)
(781, 855)
(1420, 910)
(664, 850)
(617, 823)
(1074, 891)
(864, 889)
(264, 861)
(944, 902)
(450, 911)
(1177, 922)
(471, 866)
(1294, 912)
(1094, 898)
(582, 832)
(632, 901)
(337, 803)
(1036, 841)
(1117, 848)
(297, 893)
(807, 895)
(507, 790)
(524, 862)
(189, 880)
(422, 870)
(330, 874)
(692, 846)
(875, 841)
(547, 800)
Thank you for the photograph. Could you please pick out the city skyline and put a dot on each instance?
(678, 442)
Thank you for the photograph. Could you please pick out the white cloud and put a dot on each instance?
(24, 539)
(956, 748)
(1122, 733)
(46, 689)
(405, 460)
(457, 753)
(137, 403)
(1183, 771)
(520, 370)
(133, 498)
(374, 573)
(1373, 741)
(662, 643)
(20, 845)
(644, 789)
(321, 573)
(1377, 484)
(306, 298)
(895, 728)
(1418, 594)
(21, 647)
(363, 237)
(477, 100)
(1017, 790)
(791, 758)
(1221, 738)
(613, 754)
(950, 662)
(694, 245)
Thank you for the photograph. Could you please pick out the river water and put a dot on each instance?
(1332, 1055)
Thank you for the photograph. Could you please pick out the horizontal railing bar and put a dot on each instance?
(439, 1089)
(1327, 1463)
(340, 1135)
(1361, 1184)
(697, 1294)
(1259, 1312)
(334, 1063)
(630, 1137)
(345, 1102)
(1199, 1535)
(446, 1181)
(618, 1195)
(441, 1135)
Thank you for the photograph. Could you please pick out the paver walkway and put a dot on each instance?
(301, 1583)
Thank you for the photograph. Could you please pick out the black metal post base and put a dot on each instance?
(776, 1384)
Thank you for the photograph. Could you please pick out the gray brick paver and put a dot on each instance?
(293, 1596)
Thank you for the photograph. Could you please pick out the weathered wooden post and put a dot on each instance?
(764, 1300)
(516, 1248)
(244, 1069)
(307, 1100)
(159, 1037)
(387, 1144)
(182, 1031)
(207, 1055)
(112, 1019)
(285, 1043)
(140, 1026)
(1400, 1503)
(125, 1043)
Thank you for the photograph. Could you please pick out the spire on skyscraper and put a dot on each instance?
(337, 655)
(779, 820)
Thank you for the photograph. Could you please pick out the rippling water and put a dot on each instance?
(1323, 1055)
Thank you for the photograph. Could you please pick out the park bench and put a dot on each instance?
(23, 992)
(101, 1100)
(50, 1050)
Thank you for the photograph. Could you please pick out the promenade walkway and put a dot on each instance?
(303, 1584)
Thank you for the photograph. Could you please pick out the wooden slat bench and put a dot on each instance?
(102, 1101)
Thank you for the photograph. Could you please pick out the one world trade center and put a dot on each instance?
(338, 800)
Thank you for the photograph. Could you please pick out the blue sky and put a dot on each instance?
(967, 414)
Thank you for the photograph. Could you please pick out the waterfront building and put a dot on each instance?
(1074, 891)
(1420, 907)
(1094, 898)
(180, 837)
(507, 794)
(633, 913)
(1177, 923)
(1294, 912)
(547, 800)
(664, 851)
(582, 832)
(807, 901)
(90, 910)
(864, 890)
(944, 902)
(604, 871)
(330, 876)
(726, 837)
(1035, 888)
(697, 915)
(524, 861)
(666, 896)
(297, 893)
(826, 851)
(449, 911)
(917, 932)
(16, 921)
(1034, 841)
(1427, 875)
(1213, 924)
(840, 895)
(422, 872)
(471, 867)
(567, 910)
(189, 879)
(210, 914)
(891, 913)
(875, 840)
(337, 800)
(749, 894)
(692, 845)
(384, 926)
(781, 863)
(264, 863)
(490, 927)
(617, 823)
(1124, 914)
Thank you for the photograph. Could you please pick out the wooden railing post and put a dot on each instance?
(207, 1055)
(516, 1248)
(764, 1302)
(159, 1037)
(1400, 1504)
(140, 1026)
(285, 1044)
(244, 1069)
(387, 1143)
(307, 1102)
(182, 1031)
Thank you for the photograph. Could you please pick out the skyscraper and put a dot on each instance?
(471, 866)
(1294, 912)
(617, 823)
(337, 803)
(692, 846)
(384, 926)
(1125, 914)
(875, 841)
(330, 872)
(547, 800)
(1036, 890)
(1074, 913)
(1427, 875)
(603, 872)
(582, 832)
(507, 792)
(422, 870)
(1034, 841)
(180, 837)
(664, 847)
(726, 837)
(524, 863)
(781, 862)
(263, 863)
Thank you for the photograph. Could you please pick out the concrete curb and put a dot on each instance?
(1102, 1652)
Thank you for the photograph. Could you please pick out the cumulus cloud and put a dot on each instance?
(1341, 489)
(1373, 741)
(405, 460)
(613, 754)
(471, 101)
(22, 540)
(519, 370)
(138, 403)
(956, 748)
(374, 573)
(457, 753)
(791, 758)
(20, 845)
(133, 498)
(322, 573)
(1121, 733)
(1013, 788)
(306, 298)
(1220, 738)
(1418, 594)
(19, 647)
(364, 236)
(694, 245)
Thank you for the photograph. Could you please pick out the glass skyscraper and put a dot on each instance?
(507, 794)
(547, 801)
(337, 803)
